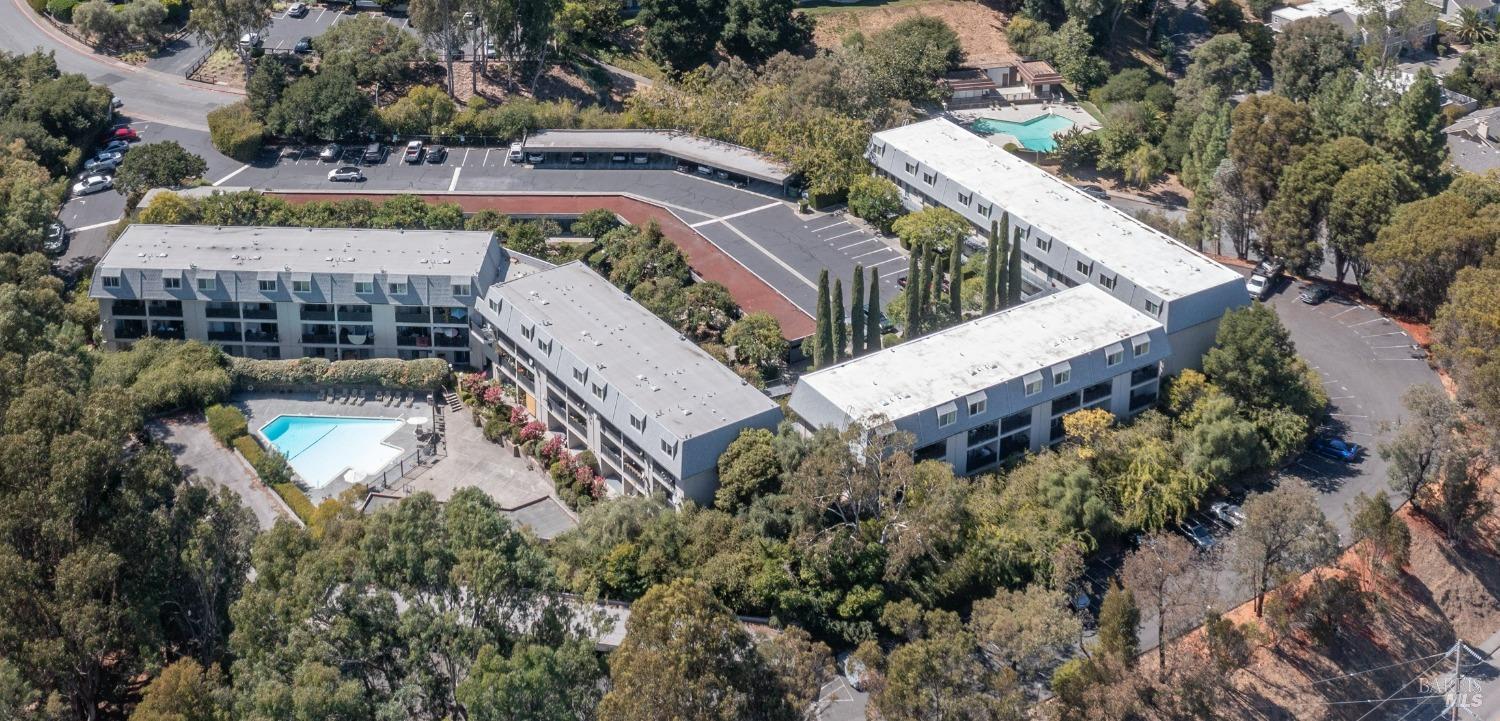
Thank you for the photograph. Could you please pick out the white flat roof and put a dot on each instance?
(725, 156)
(1149, 258)
(983, 353)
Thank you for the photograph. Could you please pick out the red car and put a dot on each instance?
(124, 132)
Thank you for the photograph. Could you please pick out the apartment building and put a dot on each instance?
(1354, 18)
(335, 293)
(595, 366)
(1068, 239)
(982, 391)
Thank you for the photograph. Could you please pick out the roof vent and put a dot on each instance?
(328, 259)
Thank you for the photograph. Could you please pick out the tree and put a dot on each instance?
(595, 223)
(28, 200)
(1416, 453)
(441, 23)
(1414, 132)
(1028, 631)
(1119, 621)
(942, 677)
(800, 665)
(1466, 340)
(586, 23)
(236, 131)
(368, 50)
(840, 328)
(220, 23)
(757, 29)
(1295, 218)
(157, 165)
(1472, 28)
(680, 34)
(1417, 254)
(1159, 572)
(875, 199)
(825, 353)
(685, 656)
(266, 83)
(1235, 208)
(1221, 67)
(857, 313)
(423, 110)
(1268, 134)
(1284, 534)
(757, 340)
(533, 683)
(874, 315)
(1013, 275)
(913, 296)
(1207, 146)
(327, 106)
(184, 691)
(935, 227)
(1307, 51)
(522, 30)
(1254, 360)
(956, 284)
(905, 60)
(706, 312)
(1386, 537)
(748, 469)
(1460, 500)
(992, 277)
(1362, 203)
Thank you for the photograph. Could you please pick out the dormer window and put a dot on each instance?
(208, 284)
(1033, 384)
(171, 282)
(1061, 374)
(1141, 346)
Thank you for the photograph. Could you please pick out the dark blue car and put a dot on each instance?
(1336, 448)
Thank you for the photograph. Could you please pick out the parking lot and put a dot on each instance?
(280, 34)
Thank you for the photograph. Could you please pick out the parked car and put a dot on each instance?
(517, 153)
(115, 102)
(56, 239)
(436, 154)
(250, 40)
(106, 160)
(374, 153)
(1315, 294)
(1270, 267)
(348, 173)
(618, 158)
(93, 184)
(124, 132)
(1258, 286)
(578, 159)
(640, 159)
(1227, 512)
(331, 152)
(535, 158)
(303, 46)
(853, 671)
(413, 152)
(1198, 534)
(115, 146)
(1336, 449)
(296, 10)
(1094, 191)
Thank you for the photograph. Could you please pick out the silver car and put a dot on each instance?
(93, 184)
(347, 173)
(104, 161)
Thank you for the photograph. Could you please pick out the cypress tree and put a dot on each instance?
(991, 270)
(913, 294)
(1013, 279)
(956, 284)
(840, 331)
(857, 313)
(873, 314)
(934, 279)
(823, 351)
(1002, 268)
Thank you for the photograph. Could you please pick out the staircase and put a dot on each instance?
(454, 404)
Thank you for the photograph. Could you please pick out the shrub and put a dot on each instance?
(226, 423)
(164, 375)
(419, 374)
(274, 472)
(61, 9)
(37, 5)
(236, 132)
(248, 448)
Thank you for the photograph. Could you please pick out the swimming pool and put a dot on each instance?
(1034, 134)
(322, 448)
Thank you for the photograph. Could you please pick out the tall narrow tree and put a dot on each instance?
(956, 284)
(992, 270)
(873, 314)
(840, 330)
(934, 278)
(1002, 269)
(857, 313)
(1013, 275)
(823, 352)
(913, 294)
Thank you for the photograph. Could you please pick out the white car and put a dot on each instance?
(517, 153)
(107, 160)
(250, 40)
(413, 152)
(347, 173)
(1258, 286)
(93, 184)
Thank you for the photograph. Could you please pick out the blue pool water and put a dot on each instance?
(1034, 134)
(321, 448)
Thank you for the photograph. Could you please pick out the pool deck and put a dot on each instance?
(1023, 113)
(465, 459)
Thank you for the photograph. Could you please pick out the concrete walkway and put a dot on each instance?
(203, 459)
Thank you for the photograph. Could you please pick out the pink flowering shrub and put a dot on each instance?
(493, 395)
(518, 416)
(552, 450)
(533, 431)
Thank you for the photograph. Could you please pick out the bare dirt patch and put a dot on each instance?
(980, 27)
(223, 67)
(578, 82)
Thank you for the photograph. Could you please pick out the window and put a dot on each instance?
(965, 199)
(1061, 374)
(494, 305)
(544, 346)
(947, 415)
(1113, 355)
(208, 283)
(984, 210)
(1084, 268)
(528, 332)
(1033, 384)
(1153, 307)
(929, 178)
(977, 404)
(396, 288)
(911, 168)
(638, 423)
(668, 448)
(1142, 346)
(877, 149)
(599, 391)
(171, 282)
(1107, 281)
(363, 287)
(111, 281)
(301, 286)
(267, 286)
(1044, 243)
(460, 288)
(579, 374)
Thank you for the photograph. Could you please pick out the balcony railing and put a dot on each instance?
(259, 311)
(1065, 403)
(130, 331)
(461, 340)
(317, 312)
(355, 314)
(165, 308)
(984, 433)
(1139, 401)
(1096, 392)
(418, 340)
(1141, 375)
(169, 331)
(321, 338)
(452, 316)
(222, 310)
(225, 335)
(261, 336)
(128, 307)
(413, 314)
(357, 336)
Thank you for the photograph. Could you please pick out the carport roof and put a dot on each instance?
(721, 155)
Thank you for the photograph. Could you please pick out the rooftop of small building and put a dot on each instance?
(658, 369)
(726, 156)
(983, 353)
(1149, 258)
(299, 250)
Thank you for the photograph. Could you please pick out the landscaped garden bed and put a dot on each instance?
(575, 475)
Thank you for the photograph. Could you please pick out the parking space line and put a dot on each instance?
(95, 225)
(840, 235)
(1347, 415)
(873, 252)
(241, 169)
(826, 227)
(1388, 347)
(857, 242)
(320, 15)
(883, 262)
(774, 258)
(742, 213)
(1350, 309)
(1366, 322)
(1378, 335)
(454, 182)
(466, 156)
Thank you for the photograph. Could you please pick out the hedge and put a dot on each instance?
(226, 423)
(62, 9)
(289, 492)
(236, 132)
(419, 374)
